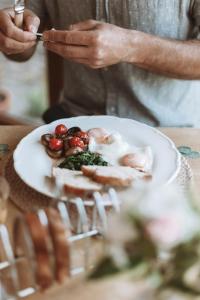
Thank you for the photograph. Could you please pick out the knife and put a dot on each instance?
(39, 36)
(19, 8)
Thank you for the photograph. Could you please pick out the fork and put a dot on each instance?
(19, 7)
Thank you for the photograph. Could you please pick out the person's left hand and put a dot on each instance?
(92, 43)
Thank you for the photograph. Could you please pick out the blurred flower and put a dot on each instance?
(166, 212)
(158, 227)
(165, 231)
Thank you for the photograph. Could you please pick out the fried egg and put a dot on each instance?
(116, 151)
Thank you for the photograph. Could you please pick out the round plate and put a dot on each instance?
(34, 166)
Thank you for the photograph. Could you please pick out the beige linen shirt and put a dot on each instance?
(124, 89)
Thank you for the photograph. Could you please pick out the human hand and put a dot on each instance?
(91, 43)
(14, 40)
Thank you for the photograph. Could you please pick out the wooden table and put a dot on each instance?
(11, 135)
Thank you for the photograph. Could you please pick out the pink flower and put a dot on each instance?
(165, 231)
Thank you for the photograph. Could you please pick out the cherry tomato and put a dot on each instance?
(55, 144)
(83, 136)
(61, 130)
(76, 142)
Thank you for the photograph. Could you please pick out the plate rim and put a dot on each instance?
(155, 130)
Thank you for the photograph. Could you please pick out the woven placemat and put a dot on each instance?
(28, 199)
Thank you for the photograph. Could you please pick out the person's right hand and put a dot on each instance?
(14, 40)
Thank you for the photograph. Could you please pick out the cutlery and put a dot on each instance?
(39, 36)
(19, 8)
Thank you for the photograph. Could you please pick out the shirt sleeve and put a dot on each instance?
(39, 8)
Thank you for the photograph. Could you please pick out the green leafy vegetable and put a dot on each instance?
(75, 162)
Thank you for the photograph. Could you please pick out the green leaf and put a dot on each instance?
(188, 152)
(75, 162)
(194, 155)
(184, 150)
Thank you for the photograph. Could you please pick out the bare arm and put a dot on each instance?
(178, 59)
(99, 45)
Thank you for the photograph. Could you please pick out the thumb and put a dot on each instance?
(85, 25)
(31, 22)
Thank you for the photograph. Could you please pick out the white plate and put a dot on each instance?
(33, 165)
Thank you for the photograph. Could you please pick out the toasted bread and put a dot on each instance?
(114, 176)
(89, 171)
(74, 182)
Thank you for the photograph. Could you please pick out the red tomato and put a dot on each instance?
(61, 129)
(55, 144)
(83, 136)
(76, 142)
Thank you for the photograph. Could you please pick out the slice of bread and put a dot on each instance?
(60, 174)
(115, 176)
(75, 183)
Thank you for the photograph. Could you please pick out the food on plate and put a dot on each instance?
(75, 183)
(104, 158)
(54, 154)
(45, 139)
(141, 160)
(75, 162)
(61, 130)
(99, 134)
(116, 151)
(83, 135)
(65, 142)
(56, 144)
(73, 151)
(73, 130)
(115, 176)
(76, 142)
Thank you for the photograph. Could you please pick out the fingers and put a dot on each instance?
(69, 38)
(10, 46)
(68, 51)
(86, 25)
(31, 21)
(82, 55)
(11, 31)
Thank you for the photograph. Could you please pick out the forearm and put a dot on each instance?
(177, 59)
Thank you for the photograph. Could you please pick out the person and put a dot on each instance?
(138, 59)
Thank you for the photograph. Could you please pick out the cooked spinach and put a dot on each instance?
(75, 162)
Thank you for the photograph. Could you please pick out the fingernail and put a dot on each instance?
(33, 29)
